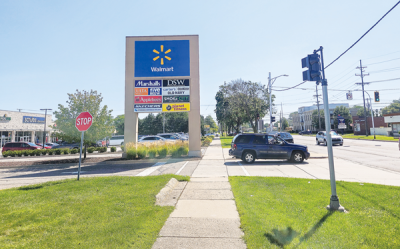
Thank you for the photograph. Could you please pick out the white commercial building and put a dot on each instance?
(24, 126)
(302, 121)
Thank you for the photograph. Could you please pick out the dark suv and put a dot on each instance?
(249, 147)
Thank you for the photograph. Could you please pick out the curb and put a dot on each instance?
(162, 196)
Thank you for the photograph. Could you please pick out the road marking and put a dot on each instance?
(245, 171)
(150, 170)
(179, 171)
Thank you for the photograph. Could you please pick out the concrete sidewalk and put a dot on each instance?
(205, 215)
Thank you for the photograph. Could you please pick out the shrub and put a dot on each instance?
(65, 151)
(44, 152)
(51, 152)
(57, 151)
(212, 137)
(32, 152)
(97, 149)
(18, 153)
(162, 151)
(74, 151)
(131, 152)
(122, 147)
(38, 152)
(152, 150)
(90, 149)
(5, 153)
(25, 152)
(11, 153)
(141, 151)
(103, 149)
(113, 149)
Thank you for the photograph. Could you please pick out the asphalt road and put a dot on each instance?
(376, 154)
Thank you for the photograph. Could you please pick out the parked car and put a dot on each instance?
(45, 146)
(151, 139)
(20, 146)
(171, 136)
(52, 145)
(284, 135)
(336, 139)
(250, 147)
(305, 132)
(116, 140)
(232, 134)
(63, 145)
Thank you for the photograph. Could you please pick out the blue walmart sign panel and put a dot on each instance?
(162, 58)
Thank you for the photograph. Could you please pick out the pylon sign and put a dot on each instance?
(349, 96)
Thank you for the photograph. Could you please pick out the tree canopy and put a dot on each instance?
(394, 107)
(343, 112)
(84, 101)
(119, 123)
(240, 101)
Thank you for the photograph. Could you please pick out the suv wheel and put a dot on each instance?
(297, 157)
(248, 157)
(317, 141)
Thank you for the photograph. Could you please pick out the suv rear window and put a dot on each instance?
(243, 139)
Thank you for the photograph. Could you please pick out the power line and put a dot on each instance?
(291, 87)
(362, 35)
(383, 61)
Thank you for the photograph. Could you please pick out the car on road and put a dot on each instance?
(52, 145)
(45, 146)
(116, 140)
(152, 139)
(20, 146)
(305, 132)
(284, 135)
(250, 147)
(336, 139)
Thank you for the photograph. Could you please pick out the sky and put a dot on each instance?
(51, 48)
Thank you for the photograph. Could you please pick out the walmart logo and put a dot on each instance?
(162, 51)
(162, 58)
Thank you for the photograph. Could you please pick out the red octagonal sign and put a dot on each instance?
(83, 121)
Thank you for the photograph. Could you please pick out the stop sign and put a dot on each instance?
(83, 121)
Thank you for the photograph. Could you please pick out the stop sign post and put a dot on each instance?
(83, 123)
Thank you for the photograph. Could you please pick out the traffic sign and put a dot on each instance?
(349, 96)
(83, 121)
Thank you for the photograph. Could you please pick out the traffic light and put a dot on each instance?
(272, 119)
(313, 64)
(376, 94)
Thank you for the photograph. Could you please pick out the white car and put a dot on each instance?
(336, 139)
(151, 139)
(116, 140)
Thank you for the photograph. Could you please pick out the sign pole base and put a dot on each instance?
(80, 157)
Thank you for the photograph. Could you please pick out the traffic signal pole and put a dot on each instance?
(334, 200)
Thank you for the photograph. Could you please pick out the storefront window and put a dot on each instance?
(5, 137)
(396, 128)
(24, 136)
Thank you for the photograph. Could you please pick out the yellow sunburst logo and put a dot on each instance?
(162, 51)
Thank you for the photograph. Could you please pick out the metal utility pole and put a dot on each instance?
(270, 83)
(334, 200)
(319, 116)
(45, 121)
(362, 84)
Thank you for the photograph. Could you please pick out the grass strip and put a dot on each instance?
(226, 141)
(370, 137)
(290, 213)
(94, 212)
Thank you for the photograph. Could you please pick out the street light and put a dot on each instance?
(45, 119)
(271, 81)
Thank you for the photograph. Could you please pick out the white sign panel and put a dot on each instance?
(182, 90)
(342, 126)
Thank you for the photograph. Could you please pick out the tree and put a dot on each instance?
(240, 101)
(392, 108)
(285, 124)
(343, 112)
(78, 102)
(119, 123)
(315, 120)
(174, 122)
(210, 121)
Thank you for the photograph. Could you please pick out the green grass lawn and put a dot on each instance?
(101, 212)
(370, 137)
(226, 141)
(290, 213)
